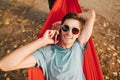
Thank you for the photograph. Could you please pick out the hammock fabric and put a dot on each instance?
(91, 66)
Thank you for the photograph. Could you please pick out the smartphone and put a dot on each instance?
(56, 38)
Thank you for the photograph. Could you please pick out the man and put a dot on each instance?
(60, 61)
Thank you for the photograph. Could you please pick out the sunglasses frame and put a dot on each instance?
(66, 28)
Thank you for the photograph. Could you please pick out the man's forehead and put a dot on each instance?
(72, 23)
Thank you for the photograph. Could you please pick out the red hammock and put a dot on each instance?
(91, 67)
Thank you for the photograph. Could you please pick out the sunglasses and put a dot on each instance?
(66, 28)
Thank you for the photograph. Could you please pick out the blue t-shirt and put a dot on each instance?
(61, 64)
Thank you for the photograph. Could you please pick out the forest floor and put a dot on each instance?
(19, 26)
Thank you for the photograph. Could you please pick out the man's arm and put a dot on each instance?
(22, 57)
(89, 18)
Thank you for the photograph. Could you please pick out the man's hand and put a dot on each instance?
(48, 36)
(87, 15)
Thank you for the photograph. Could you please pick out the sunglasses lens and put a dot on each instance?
(65, 28)
(75, 31)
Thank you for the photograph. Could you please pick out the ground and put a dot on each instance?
(20, 24)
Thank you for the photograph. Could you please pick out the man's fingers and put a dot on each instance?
(52, 33)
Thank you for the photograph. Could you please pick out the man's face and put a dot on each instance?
(70, 30)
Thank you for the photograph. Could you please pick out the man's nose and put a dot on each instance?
(70, 32)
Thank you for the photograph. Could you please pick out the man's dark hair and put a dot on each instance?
(75, 16)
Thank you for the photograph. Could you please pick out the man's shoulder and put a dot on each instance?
(78, 44)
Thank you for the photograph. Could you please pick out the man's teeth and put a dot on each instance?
(67, 37)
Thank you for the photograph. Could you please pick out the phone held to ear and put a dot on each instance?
(56, 38)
